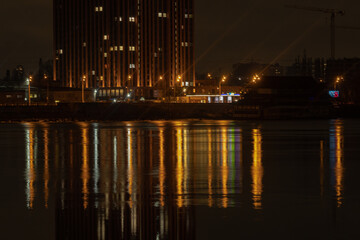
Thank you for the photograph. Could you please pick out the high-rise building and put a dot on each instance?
(118, 46)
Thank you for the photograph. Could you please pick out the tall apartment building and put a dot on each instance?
(124, 44)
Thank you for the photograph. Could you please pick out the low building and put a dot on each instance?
(70, 95)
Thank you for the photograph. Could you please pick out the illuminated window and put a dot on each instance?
(121, 48)
(105, 55)
(132, 65)
(131, 48)
(161, 15)
(106, 37)
(131, 19)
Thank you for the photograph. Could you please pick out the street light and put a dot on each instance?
(29, 93)
(337, 81)
(82, 89)
(221, 81)
(256, 78)
(47, 88)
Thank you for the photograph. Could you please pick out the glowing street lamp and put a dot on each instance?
(29, 93)
(338, 80)
(221, 81)
(256, 78)
(82, 88)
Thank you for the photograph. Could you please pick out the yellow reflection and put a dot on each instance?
(162, 170)
(210, 173)
(224, 168)
(257, 170)
(85, 175)
(130, 167)
(179, 168)
(30, 168)
(46, 166)
(339, 169)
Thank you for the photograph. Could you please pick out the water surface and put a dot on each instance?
(180, 180)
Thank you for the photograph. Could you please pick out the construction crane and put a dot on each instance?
(333, 12)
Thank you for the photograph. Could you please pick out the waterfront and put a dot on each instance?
(180, 180)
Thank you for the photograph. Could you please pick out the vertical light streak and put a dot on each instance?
(339, 168)
(115, 173)
(96, 173)
(322, 168)
(186, 164)
(257, 170)
(224, 168)
(30, 168)
(162, 170)
(130, 167)
(210, 172)
(85, 165)
(179, 167)
(46, 166)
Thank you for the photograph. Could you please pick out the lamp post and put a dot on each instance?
(29, 92)
(47, 88)
(221, 81)
(178, 80)
(337, 81)
(82, 89)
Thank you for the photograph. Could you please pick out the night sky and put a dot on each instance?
(227, 31)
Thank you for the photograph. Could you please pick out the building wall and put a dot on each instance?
(128, 43)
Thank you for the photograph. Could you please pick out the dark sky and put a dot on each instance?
(227, 31)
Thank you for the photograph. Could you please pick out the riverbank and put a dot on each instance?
(167, 111)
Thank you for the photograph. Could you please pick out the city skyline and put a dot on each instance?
(225, 32)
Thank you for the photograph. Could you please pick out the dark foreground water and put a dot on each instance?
(180, 180)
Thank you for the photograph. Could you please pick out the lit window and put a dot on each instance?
(100, 9)
(106, 37)
(93, 72)
(132, 65)
(61, 51)
(111, 49)
(131, 19)
(115, 48)
(121, 48)
(132, 48)
(84, 44)
(105, 54)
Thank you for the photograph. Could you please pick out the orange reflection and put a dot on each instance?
(130, 167)
(210, 173)
(339, 169)
(179, 168)
(85, 174)
(46, 166)
(224, 168)
(257, 170)
(162, 170)
(30, 170)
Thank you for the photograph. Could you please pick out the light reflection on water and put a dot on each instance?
(126, 176)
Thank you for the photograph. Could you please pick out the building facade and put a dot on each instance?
(124, 44)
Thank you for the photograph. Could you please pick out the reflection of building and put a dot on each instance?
(124, 45)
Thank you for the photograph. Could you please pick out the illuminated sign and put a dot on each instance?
(334, 94)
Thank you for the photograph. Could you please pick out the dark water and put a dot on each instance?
(180, 180)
